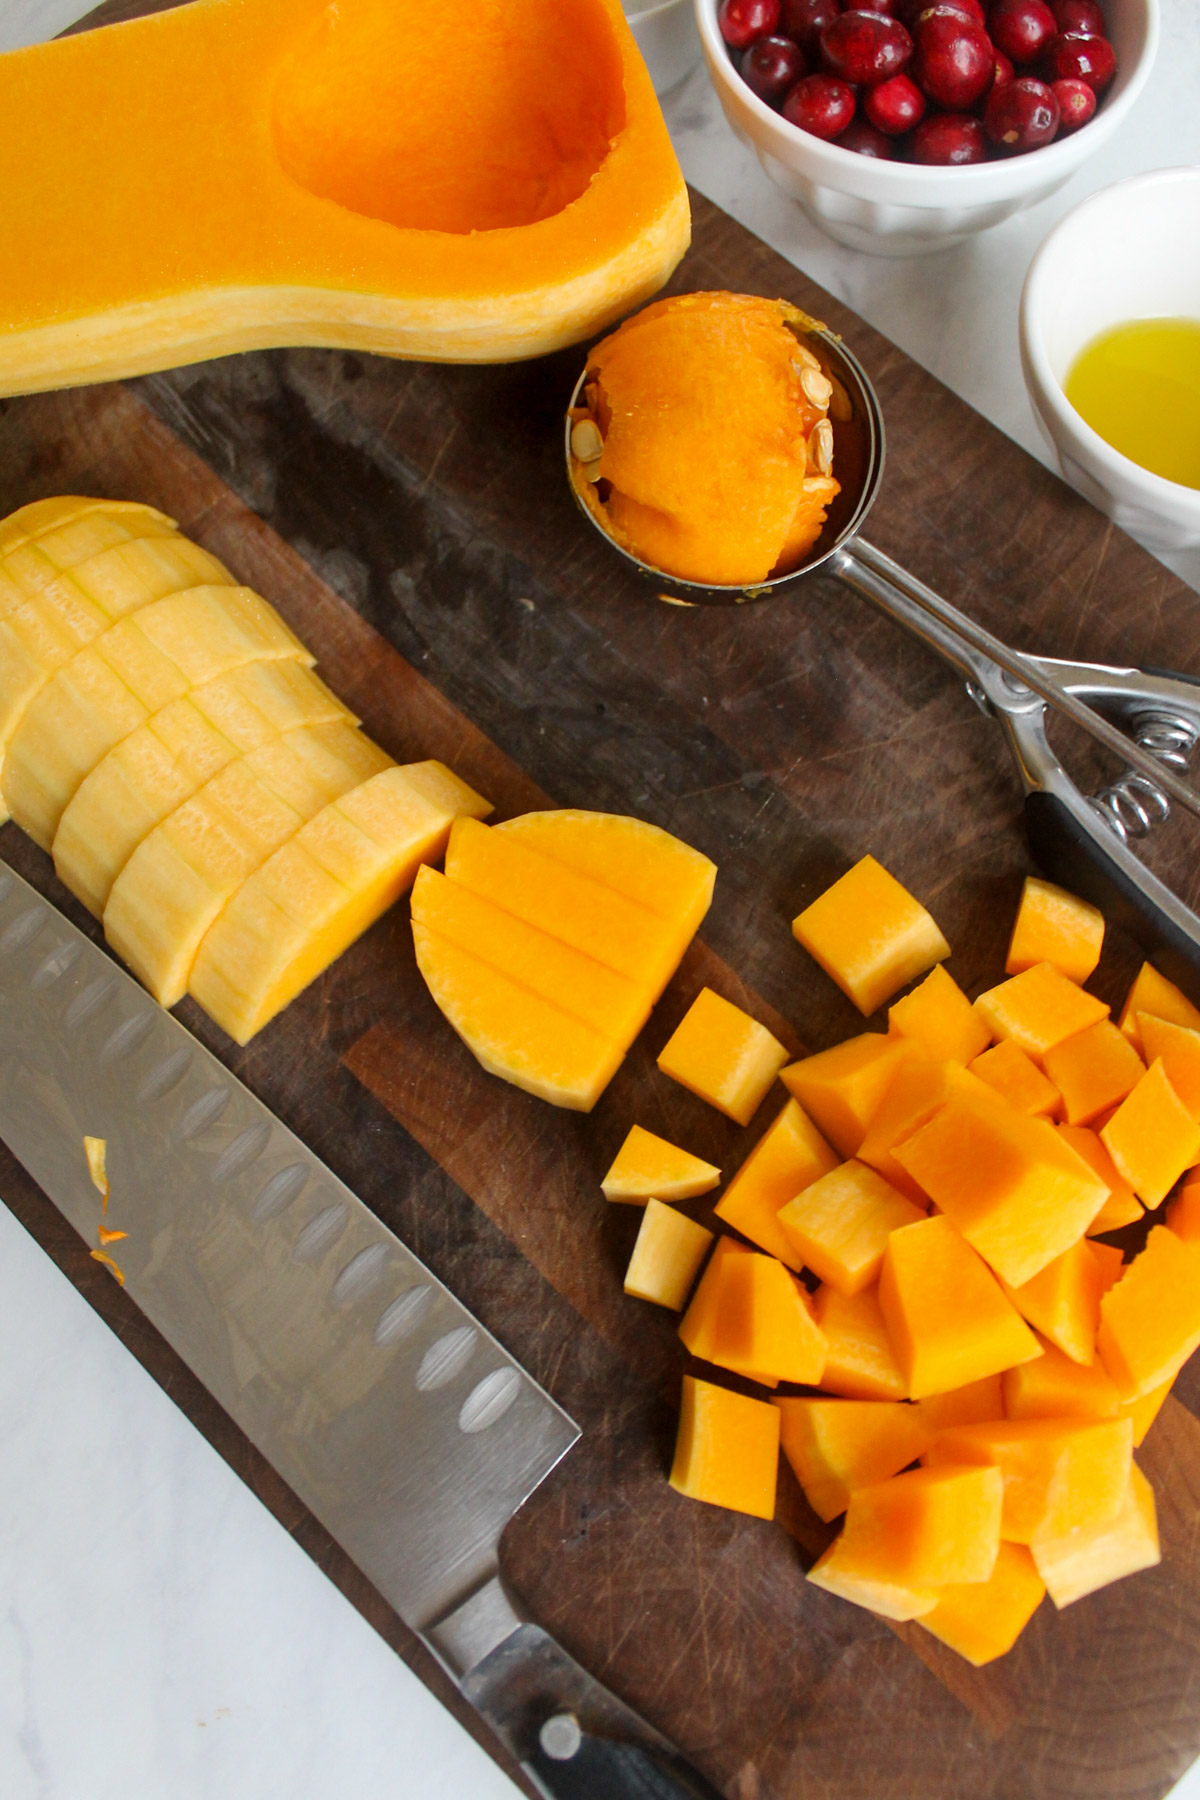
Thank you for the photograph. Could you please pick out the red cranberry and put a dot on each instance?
(879, 6)
(969, 11)
(804, 21)
(1022, 115)
(771, 66)
(1004, 70)
(863, 138)
(1076, 103)
(895, 106)
(865, 47)
(954, 62)
(1079, 15)
(820, 104)
(1021, 28)
(741, 21)
(1074, 57)
(948, 138)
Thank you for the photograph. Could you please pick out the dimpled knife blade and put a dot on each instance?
(399, 1421)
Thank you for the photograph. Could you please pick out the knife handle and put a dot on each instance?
(569, 1763)
(575, 1738)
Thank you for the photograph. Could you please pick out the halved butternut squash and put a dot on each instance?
(374, 176)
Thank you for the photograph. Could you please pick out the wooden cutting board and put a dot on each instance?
(413, 524)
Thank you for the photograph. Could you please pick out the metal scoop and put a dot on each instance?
(1150, 719)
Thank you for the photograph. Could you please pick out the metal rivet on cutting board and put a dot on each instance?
(53, 967)
(490, 1400)
(276, 1195)
(445, 1359)
(22, 931)
(168, 1074)
(402, 1315)
(201, 1114)
(127, 1038)
(95, 995)
(245, 1148)
(360, 1274)
(319, 1233)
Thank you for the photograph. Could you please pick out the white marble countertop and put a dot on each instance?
(160, 1634)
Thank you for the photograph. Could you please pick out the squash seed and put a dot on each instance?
(821, 444)
(591, 469)
(807, 359)
(817, 387)
(586, 442)
(841, 407)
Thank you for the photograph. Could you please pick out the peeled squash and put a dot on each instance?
(372, 175)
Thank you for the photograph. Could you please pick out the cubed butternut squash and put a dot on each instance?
(666, 1256)
(919, 1089)
(929, 1526)
(1178, 1048)
(1062, 1301)
(1089, 1558)
(647, 1165)
(1152, 1137)
(1059, 1474)
(1152, 993)
(1016, 1077)
(1038, 1009)
(837, 1446)
(938, 1017)
(1093, 1070)
(1122, 1206)
(983, 1619)
(1150, 1321)
(790, 1154)
(839, 1225)
(870, 935)
(977, 1402)
(1053, 926)
(727, 1450)
(841, 1089)
(859, 1360)
(1054, 1387)
(721, 1054)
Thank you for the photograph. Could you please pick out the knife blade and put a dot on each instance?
(401, 1423)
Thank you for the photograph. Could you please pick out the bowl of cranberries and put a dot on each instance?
(907, 125)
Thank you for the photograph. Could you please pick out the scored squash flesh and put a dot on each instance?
(375, 176)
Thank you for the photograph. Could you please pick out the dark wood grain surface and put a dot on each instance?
(413, 523)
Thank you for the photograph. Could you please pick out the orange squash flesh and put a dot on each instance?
(1093, 1070)
(927, 1527)
(976, 1403)
(1152, 1137)
(1053, 926)
(669, 1250)
(860, 1363)
(1093, 1556)
(947, 1318)
(1178, 1048)
(1062, 1301)
(647, 1165)
(1019, 1080)
(1059, 1474)
(723, 1056)
(790, 1154)
(841, 1089)
(727, 1451)
(983, 1619)
(1122, 1206)
(919, 1089)
(938, 1016)
(840, 1571)
(1038, 1009)
(1054, 1387)
(764, 1329)
(365, 185)
(840, 1224)
(836, 1446)
(869, 934)
(1152, 993)
(1150, 1321)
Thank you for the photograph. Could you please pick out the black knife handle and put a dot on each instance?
(587, 1767)
(575, 1738)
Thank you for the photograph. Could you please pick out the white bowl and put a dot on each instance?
(901, 209)
(665, 33)
(1131, 251)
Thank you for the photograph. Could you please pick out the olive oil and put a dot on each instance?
(1138, 385)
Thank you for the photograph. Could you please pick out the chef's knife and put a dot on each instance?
(402, 1424)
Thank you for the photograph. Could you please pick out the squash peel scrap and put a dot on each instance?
(716, 451)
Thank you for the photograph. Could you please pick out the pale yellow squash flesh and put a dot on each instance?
(320, 891)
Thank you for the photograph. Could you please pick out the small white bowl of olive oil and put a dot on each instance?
(1110, 346)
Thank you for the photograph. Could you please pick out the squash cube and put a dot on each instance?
(976, 1403)
(946, 1315)
(919, 1089)
(1093, 1556)
(839, 1225)
(1179, 1050)
(1150, 1321)
(763, 1328)
(1144, 1411)
(1122, 1206)
(841, 1089)
(1055, 927)
(1062, 1301)
(647, 1165)
(938, 1017)
(1183, 1214)
(927, 1527)
(1059, 1474)
(870, 935)
(840, 1571)
(859, 1360)
(790, 1154)
(1152, 1137)
(837, 1446)
(1152, 993)
(1017, 1078)
(727, 1451)
(721, 1054)
(698, 1327)
(1094, 1070)
(666, 1257)
(1038, 1009)
(1054, 1387)
(1015, 1190)
(1110, 1260)
(983, 1619)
